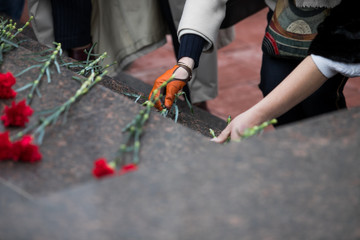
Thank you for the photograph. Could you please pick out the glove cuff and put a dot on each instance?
(187, 69)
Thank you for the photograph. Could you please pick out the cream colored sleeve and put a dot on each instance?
(203, 18)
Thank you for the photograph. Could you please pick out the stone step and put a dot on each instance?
(122, 83)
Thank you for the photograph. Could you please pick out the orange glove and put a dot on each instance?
(173, 87)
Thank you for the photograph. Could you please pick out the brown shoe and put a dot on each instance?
(202, 105)
(80, 54)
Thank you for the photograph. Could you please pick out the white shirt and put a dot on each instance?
(329, 68)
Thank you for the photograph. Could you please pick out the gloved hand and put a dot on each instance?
(173, 87)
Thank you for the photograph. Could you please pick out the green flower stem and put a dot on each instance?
(135, 129)
(212, 133)
(38, 129)
(6, 36)
(23, 27)
(249, 132)
(93, 64)
(43, 71)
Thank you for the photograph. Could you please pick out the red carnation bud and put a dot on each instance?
(128, 168)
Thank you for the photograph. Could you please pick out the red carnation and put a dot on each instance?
(25, 151)
(16, 115)
(128, 168)
(6, 93)
(7, 80)
(5, 146)
(102, 168)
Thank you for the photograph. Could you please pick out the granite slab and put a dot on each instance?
(198, 120)
(93, 129)
(298, 182)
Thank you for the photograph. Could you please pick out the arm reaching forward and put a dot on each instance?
(300, 84)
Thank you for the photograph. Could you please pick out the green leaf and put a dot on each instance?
(66, 112)
(189, 104)
(38, 92)
(27, 69)
(41, 136)
(77, 79)
(48, 75)
(39, 53)
(57, 66)
(24, 87)
(176, 112)
(46, 111)
(164, 112)
(9, 42)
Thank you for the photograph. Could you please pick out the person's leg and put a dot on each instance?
(72, 23)
(328, 98)
(12, 8)
(273, 71)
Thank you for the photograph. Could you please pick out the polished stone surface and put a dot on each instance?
(299, 182)
(93, 129)
(200, 120)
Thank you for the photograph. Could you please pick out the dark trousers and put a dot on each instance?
(12, 8)
(327, 98)
(72, 22)
(167, 15)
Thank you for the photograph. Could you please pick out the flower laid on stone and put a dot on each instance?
(132, 144)
(91, 64)
(23, 150)
(17, 115)
(38, 129)
(174, 110)
(45, 62)
(20, 147)
(249, 132)
(128, 168)
(8, 34)
(102, 168)
(7, 80)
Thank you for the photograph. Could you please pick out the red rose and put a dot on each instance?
(128, 168)
(102, 168)
(7, 80)
(25, 151)
(16, 115)
(5, 146)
